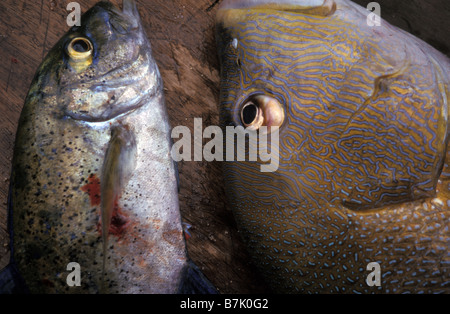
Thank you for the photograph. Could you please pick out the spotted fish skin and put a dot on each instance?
(67, 124)
(363, 162)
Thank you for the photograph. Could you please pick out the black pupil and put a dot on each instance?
(249, 113)
(80, 46)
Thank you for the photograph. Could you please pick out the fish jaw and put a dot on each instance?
(104, 101)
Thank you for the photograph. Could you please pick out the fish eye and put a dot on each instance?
(249, 113)
(261, 110)
(80, 45)
(80, 50)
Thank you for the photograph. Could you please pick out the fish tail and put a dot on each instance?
(118, 166)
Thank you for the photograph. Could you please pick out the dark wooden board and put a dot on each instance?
(182, 35)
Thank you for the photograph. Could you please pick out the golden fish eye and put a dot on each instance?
(79, 48)
(262, 110)
(80, 51)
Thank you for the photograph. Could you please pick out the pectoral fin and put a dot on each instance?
(118, 166)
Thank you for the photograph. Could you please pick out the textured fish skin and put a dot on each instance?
(69, 120)
(363, 167)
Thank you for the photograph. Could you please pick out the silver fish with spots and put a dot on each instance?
(92, 181)
(363, 176)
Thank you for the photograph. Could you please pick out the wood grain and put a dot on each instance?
(182, 35)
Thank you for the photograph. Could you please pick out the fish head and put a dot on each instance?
(307, 68)
(104, 67)
(362, 119)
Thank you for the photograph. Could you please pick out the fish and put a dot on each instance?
(360, 199)
(93, 204)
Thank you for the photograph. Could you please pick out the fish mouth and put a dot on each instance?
(129, 9)
(128, 14)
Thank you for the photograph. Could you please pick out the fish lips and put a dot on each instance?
(129, 13)
(129, 8)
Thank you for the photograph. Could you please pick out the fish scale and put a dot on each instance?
(361, 149)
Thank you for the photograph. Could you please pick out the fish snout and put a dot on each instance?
(129, 9)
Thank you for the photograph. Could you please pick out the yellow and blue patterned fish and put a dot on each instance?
(93, 187)
(360, 200)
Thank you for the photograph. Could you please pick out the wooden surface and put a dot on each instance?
(182, 35)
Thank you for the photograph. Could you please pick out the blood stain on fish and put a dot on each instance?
(119, 222)
(93, 189)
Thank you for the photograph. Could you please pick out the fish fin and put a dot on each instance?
(194, 282)
(118, 165)
(11, 282)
